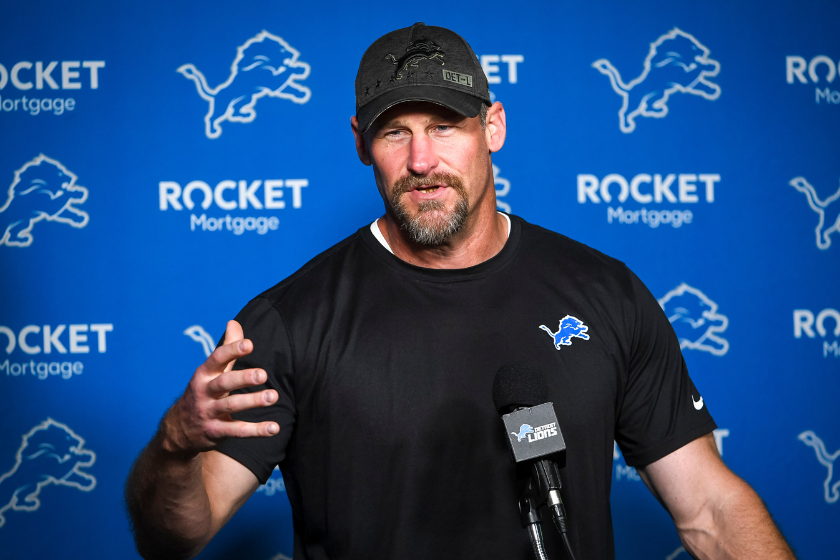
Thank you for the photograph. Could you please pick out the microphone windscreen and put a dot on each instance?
(518, 385)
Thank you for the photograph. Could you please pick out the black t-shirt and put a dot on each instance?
(389, 442)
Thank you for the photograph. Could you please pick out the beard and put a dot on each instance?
(433, 224)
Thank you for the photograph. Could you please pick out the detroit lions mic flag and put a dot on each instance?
(520, 396)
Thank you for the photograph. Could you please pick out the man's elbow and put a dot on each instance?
(153, 540)
(733, 523)
(161, 547)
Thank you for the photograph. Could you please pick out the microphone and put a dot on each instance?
(537, 447)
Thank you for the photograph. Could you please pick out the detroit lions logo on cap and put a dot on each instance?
(421, 49)
(569, 327)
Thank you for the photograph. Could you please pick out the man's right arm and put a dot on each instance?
(181, 491)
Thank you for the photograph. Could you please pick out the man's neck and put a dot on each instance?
(476, 243)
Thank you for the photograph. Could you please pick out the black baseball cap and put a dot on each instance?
(419, 63)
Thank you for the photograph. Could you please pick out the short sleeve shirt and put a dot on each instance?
(389, 442)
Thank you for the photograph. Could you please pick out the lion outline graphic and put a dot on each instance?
(824, 227)
(831, 486)
(43, 189)
(255, 73)
(676, 62)
(198, 334)
(695, 319)
(50, 453)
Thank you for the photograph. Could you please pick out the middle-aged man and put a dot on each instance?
(366, 375)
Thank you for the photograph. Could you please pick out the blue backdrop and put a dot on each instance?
(146, 195)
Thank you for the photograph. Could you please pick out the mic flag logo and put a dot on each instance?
(695, 319)
(825, 227)
(265, 65)
(524, 430)
(832, 488)
(537, 435)
(51, 453)
(676, 62)
(43, 189)
(569, 327)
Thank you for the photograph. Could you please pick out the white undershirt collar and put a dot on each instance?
(374, 229)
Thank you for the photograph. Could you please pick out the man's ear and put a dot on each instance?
(361, 147)
(496, 127)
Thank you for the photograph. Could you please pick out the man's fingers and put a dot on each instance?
(246, 429)
(223, 357)
(233, 333)
(233, 380)
(245, 401)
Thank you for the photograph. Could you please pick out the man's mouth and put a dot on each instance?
(427, 187)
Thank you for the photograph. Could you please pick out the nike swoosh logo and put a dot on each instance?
(697, 404)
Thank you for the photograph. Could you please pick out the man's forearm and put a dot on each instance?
(180, 490)
(168, 503)
(739, 527)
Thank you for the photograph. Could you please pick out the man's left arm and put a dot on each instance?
(717, 514)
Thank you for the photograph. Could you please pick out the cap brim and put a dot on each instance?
(460, 102)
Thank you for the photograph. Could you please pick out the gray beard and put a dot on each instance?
(429, 227)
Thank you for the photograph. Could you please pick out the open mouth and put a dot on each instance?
(428, 186)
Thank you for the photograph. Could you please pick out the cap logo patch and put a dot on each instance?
(458, 78)
(421, 49)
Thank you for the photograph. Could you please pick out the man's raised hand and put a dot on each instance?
(200, 419)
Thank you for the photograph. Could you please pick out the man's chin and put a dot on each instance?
(432, 227)
(436, 227)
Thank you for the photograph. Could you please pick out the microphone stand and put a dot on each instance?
(544, 489)
(532, 521)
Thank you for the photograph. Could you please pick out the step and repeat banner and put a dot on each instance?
(163, 163)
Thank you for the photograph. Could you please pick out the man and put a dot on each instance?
(366, 376)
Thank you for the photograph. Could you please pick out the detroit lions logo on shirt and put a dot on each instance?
(569, 327)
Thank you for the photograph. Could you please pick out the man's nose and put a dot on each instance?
(421, 155)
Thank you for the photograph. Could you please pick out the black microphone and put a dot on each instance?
(536, 443)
